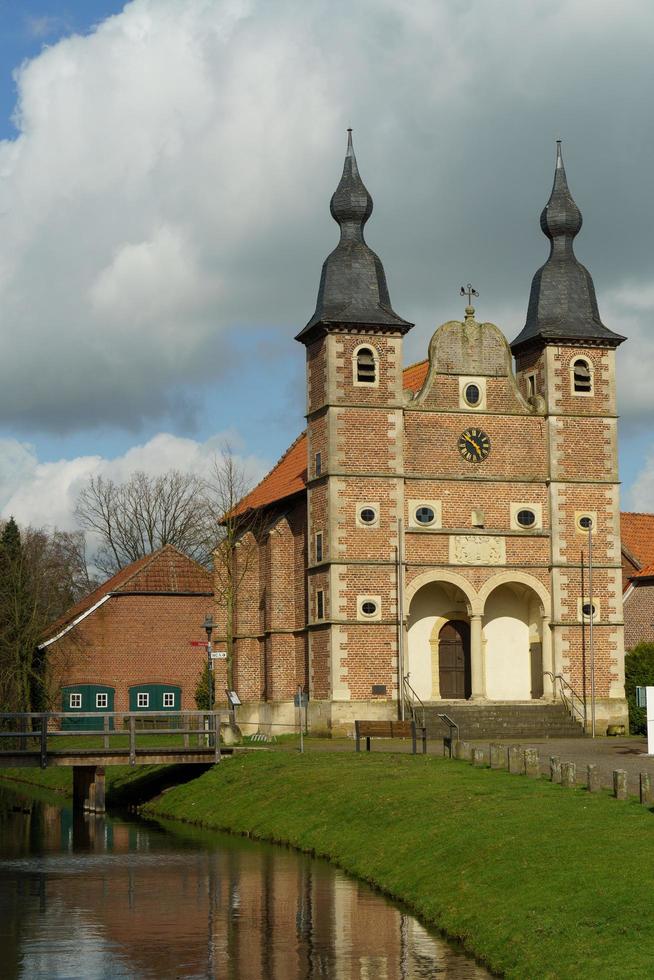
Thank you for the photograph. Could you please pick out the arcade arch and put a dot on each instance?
(497, 644)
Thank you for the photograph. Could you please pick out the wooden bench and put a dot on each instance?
(389, 729)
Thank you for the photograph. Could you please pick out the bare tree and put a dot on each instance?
(134, 518)
(236, 548)
(202, 516)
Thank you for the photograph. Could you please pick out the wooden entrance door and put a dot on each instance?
(454, 660)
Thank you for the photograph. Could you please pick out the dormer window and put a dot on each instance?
(582, 379)
(365, 366)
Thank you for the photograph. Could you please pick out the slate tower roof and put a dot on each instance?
(353, 286)
(562, 304)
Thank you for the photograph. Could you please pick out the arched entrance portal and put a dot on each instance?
(436, 605)
(454, 660)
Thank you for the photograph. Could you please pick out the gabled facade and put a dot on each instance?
(127, 645)
(442, 529)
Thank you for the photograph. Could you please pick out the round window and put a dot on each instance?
(587, 608)
(526, 518)
(472, 394)
(425, 515)
(367, 515)
(368, 608)
(586, 522)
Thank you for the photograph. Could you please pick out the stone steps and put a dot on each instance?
(503, 720)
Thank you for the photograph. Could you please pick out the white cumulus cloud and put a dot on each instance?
(44, 494)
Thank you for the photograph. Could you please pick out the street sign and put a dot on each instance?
(219, 655)
(198, 643)
(641, 697)
(301, 700)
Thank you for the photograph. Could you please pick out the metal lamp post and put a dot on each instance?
(587, 523)
(208, 628)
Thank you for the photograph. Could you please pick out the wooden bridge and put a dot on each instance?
(88, 742)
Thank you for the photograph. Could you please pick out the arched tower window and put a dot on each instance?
(365, 366)
(582, 377)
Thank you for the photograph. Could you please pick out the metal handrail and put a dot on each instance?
(448, 740)
(410, 701)
(568, 700)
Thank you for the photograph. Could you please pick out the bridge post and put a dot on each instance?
(44, 741)
(89, 788)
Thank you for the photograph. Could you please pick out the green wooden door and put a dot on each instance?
(82, 701)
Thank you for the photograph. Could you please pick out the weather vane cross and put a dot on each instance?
(469, 292)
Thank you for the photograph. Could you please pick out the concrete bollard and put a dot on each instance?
(478, 757)
(645, 788)
(532, 762)
(593, 779)
(498, 757)
(555, 769)
(516, 759)
(620, 784)
(568, 774)
(465, 751)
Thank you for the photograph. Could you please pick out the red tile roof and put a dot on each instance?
(637, 533)
(289, 475)
(414, 375)
(646, 572)
(166, 571)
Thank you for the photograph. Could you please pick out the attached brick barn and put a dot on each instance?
(127, 645)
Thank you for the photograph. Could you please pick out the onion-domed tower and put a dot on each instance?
(354, 468)
(565, 363)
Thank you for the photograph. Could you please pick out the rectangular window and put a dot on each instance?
(75, 701)
(142, 700)
(169, 699)
(320, 604)
(319, 546)
(318, 466)
(531, 385)
(102, 700)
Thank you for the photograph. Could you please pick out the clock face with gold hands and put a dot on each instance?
(474, 445)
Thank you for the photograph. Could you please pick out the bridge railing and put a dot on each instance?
(27, 733)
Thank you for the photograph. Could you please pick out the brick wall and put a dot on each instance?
(639, 614)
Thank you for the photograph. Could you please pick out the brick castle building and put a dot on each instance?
(433, 521)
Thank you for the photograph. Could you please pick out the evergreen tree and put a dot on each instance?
(17, 679)
(206, 684)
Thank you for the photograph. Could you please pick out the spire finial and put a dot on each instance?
(351, 204)
(561, 218)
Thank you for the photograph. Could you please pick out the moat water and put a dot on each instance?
(118, 897)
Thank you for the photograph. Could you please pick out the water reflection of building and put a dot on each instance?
(242, 911)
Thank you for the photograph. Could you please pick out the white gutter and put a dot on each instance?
(74, 623)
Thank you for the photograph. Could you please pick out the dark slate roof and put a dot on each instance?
(353, 286)
(562, 304)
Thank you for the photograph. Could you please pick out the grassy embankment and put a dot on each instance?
(537, 880)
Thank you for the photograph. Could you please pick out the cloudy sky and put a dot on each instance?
(165, 174)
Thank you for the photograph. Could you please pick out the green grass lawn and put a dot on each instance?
(537, 880)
